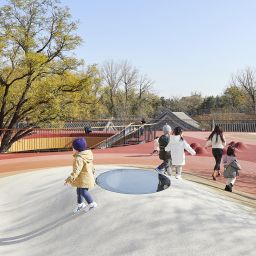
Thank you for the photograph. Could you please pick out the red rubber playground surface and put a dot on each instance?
(140, 155)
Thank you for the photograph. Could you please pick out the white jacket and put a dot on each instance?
(176, 145)
(214, 143)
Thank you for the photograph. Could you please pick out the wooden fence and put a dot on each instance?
(55, 139)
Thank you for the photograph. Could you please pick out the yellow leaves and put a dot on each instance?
(35, 59)
(2, 44)
(236, 94)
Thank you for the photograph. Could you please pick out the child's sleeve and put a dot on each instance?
(188, 148)
(224, 143)
(224, 160)
(168, 146)
(208, 143)
(238, 165)
(77, 167)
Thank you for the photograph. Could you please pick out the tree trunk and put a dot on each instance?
(5, 142)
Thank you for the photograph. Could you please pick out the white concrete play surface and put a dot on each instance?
(186, 219)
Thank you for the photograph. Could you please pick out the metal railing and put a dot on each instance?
(241, 126)
(130, 134)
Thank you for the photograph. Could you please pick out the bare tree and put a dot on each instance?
(145, 85)
(246, 80)
(129, 80)
(125, 88)
(111, 77)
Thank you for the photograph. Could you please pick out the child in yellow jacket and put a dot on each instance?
(82, 175)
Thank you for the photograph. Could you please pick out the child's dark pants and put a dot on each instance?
(83, 193)
(217, 153)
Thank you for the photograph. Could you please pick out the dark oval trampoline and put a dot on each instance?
(133, 181)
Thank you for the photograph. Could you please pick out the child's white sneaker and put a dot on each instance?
(178, 177)
(92, 205)
(79, 207)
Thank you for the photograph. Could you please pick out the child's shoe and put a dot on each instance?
(92, 205)
(226, 188)
(79, 207)
(229, 187)
(178, 177)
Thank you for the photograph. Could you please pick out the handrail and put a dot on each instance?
(111, 140)
(127, 131)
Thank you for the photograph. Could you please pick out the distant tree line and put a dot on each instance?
(238, 97)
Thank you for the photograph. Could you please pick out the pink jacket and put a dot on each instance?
(229, 159)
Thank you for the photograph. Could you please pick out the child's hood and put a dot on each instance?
(174, 139)
(86, 154)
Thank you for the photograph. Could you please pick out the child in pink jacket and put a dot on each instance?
(231, 168)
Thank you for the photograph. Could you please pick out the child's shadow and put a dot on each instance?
(37, 232)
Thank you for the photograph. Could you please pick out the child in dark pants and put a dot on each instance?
(217, 141)
(82, 175)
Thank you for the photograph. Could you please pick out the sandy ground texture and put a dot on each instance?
(186, 219)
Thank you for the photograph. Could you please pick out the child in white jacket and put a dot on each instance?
(177, 145)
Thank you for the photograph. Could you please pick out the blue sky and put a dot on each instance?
(182, 45)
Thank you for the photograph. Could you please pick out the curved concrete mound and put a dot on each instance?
(201, 151)
(237, 145)
(194, 145)
(36, 218)
(240, 145)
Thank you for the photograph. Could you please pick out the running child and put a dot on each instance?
(176, 146)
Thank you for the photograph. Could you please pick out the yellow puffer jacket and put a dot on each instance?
(82, 174)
